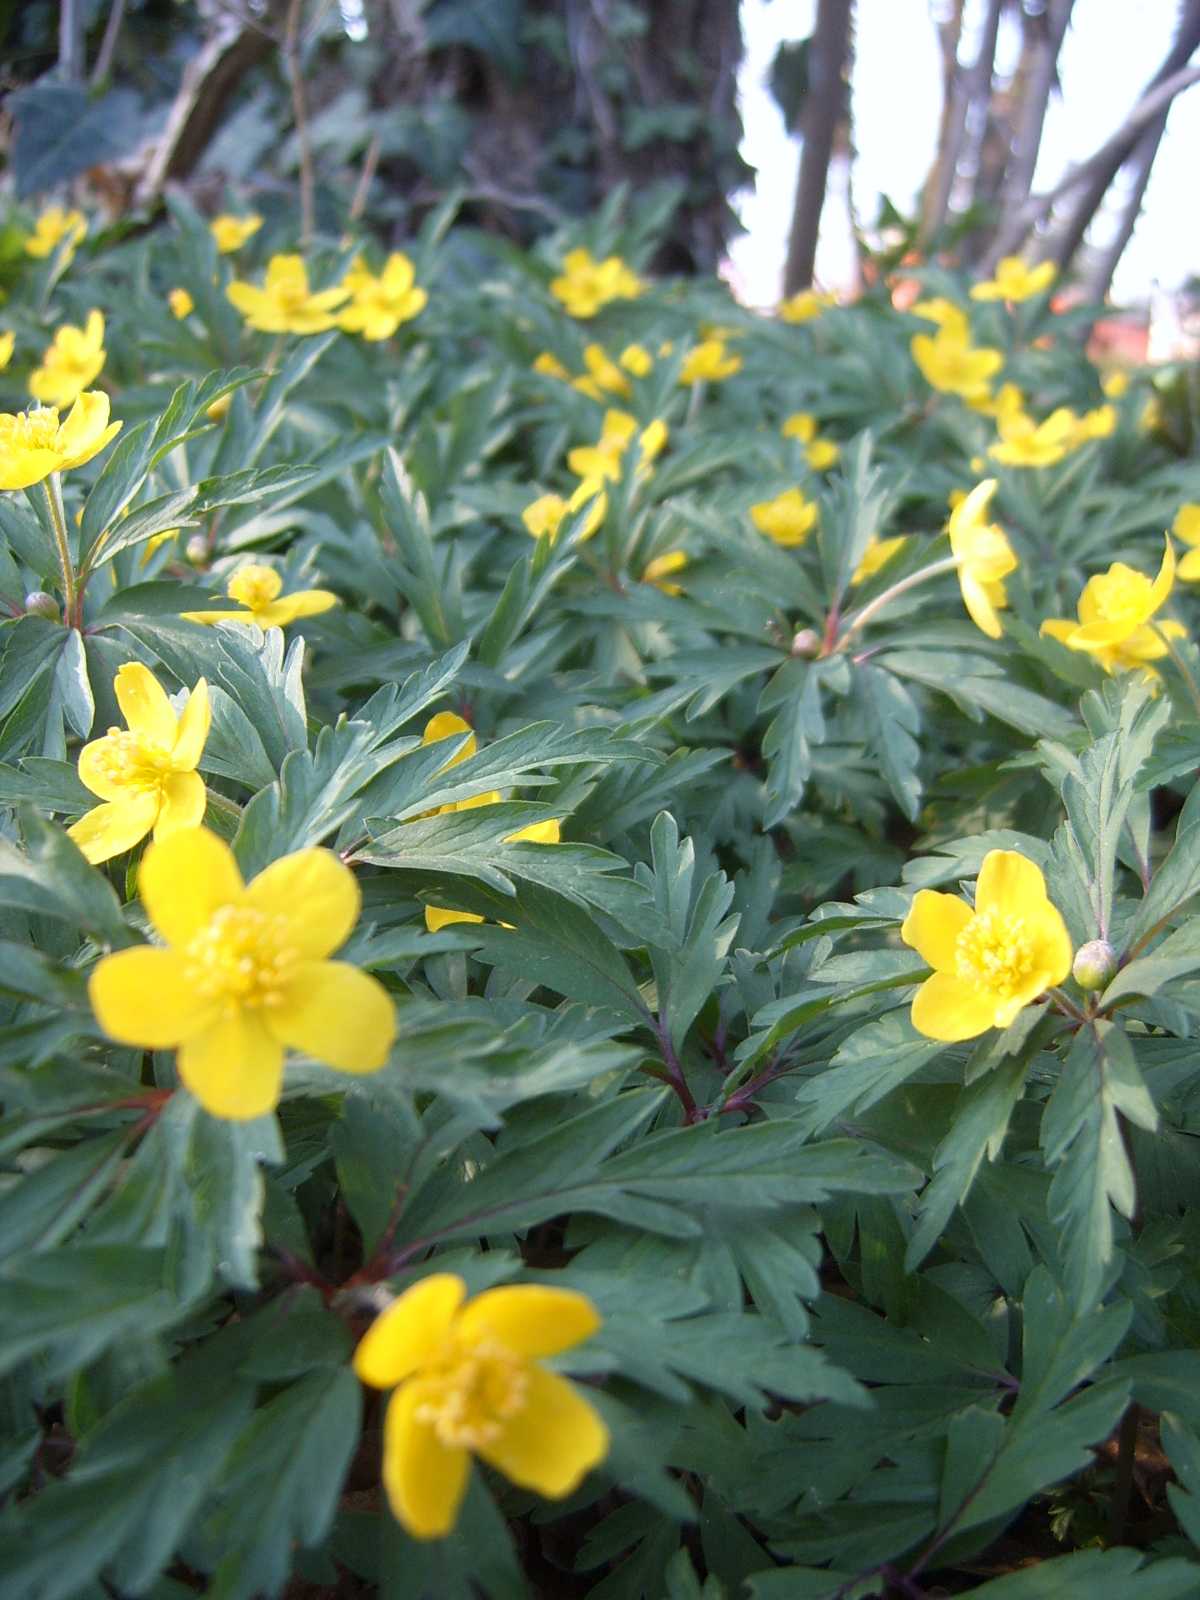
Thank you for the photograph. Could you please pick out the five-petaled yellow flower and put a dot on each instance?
(380, 304)
(546, 514)
(181, 303)
(468, 1379)
(991, 961)
(285, 303)
(984, 556)
(949, 362)
(1015, 281)
(711, 361)
(788, 519)
(587, 284)
(805, 305)
(1114, 624)
(70, 364)
(33, 444)
(1026, 443)
(603, 375)
(51, 228)
(232, 232)
(244, 975)
(257, 589)
(145, 775)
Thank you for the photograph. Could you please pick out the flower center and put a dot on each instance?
(131, 761)
(468, 1395)
(30, 430)
(241, 957)
(1123, 597)
(255, 587)
(995, 953)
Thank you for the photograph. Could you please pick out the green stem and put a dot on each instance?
(1185, 672)
(946, 564)
(58, 518)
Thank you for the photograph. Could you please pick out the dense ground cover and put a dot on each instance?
(598, 975)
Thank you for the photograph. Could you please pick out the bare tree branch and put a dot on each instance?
(295, 72)
(971, 87)
(824, 107)
(1101, 276)
(1051, 29)
(70, 41)
(108, 45)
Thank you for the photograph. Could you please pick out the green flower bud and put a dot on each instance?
(1094, 964)
(196, 550)
(40, 604)
(806, 643)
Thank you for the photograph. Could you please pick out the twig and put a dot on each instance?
(291, 52)
(108, 44)
(370, 161)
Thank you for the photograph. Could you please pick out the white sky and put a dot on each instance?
(1111, 49)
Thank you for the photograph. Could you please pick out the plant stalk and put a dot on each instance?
(52, 488)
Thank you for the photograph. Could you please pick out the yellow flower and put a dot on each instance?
(637, 359)
(1098, 423)
(709, 362)
(257, 588)
(788, 519)
(652, 441)
(876, 556)
(7, 341)
(447, 725)
(380, 304)
(800, 425)
(602, 376)
(33, 444)
(587, 284)
(231, 233)
(468, 1379)
(1115, 385)
(949, 362)
(1007, 402)
(822, 454)
(146, 776)
(945, 314)
(70, 364)
(806, 305)
(156, 542)
(550, 366)
(52, 227)
(984, 558)
(545, 514)
(1025, 443)
(1115, 609)
(603, 459)
(659, 570)
(1187, 527)
(219, 410)
(438, 917)
(988, 963)
(181, 303)
(244, 974)
(285, 304)
(1015, 281)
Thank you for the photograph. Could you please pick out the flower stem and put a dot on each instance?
(946, 564)
(52, 488)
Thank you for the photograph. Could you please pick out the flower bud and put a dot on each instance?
(196, 550)
(1094, 964)
(806, 643)
(40, 604)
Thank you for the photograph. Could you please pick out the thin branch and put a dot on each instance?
(70, 41)
(108, 44)
(1101, 276)
(972, 87)
(291, 55)
(1051, 29)
(370, 161)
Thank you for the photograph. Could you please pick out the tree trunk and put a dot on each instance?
(824, 109)
(1064, 248)
(1100, 278)
(972, 87)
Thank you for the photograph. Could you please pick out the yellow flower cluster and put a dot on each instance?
(54, 227)
(603, 375)
(285, 303)
(586, 285)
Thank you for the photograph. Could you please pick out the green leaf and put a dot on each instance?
(700, 931)
(1088, 1573)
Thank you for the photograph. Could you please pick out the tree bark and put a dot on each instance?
(1101, 275)
(824, 109)
(1066, 245)
(972, 87)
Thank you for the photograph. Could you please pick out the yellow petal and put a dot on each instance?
(1164, 580)
(1010, 882)
(193, 729)
(116, 826)
(932, 927)
(304, 603)
(424, 1479)
(183, 803)
(95, 771)
(1052, 947)
(184, 879)
(143, 997)
(946, 1008)
(529, 1319)
(554, 1439)
(233, 1067)
(1189, 568)
(337, 1014)
(437, 917)
(410, 1332)
(144, 704)
(979, 601)
(315, 894)
(537, 833)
